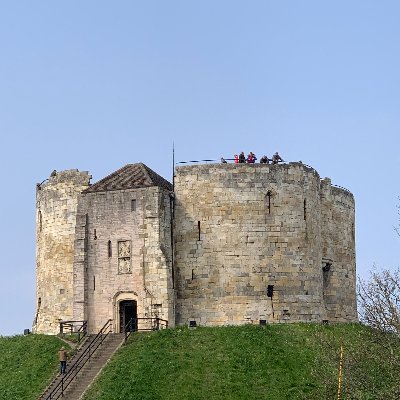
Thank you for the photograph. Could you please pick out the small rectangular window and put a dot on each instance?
(133, 205)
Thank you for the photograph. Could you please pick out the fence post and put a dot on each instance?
(340, 372)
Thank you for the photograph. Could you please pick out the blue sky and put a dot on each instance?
(95, 85)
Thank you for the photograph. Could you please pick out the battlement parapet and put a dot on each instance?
(242, 168)
(70, 177)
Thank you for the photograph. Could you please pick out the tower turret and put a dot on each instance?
(56, 206)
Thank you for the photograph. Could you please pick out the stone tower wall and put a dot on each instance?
(107, 219)
(338, 252)
(240, 228)
(56, 206)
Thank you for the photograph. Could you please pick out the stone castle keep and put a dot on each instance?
(227, 244)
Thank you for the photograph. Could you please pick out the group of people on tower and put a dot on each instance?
(251, 159)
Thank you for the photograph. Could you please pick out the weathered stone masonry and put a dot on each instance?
(240, 228)
(101, 281)
(236, 230)
(56, 207)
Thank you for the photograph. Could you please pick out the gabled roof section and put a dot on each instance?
(131, 176)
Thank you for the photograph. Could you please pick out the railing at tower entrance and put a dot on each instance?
(83, 359)
(144, 324)
(74, 327)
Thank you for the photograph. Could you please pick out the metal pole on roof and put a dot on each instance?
(173, 167)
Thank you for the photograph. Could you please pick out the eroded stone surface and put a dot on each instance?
(236, 230)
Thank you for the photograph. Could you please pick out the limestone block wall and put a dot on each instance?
(240, 228)
(56, 206)
(338, 252)
(123, 252)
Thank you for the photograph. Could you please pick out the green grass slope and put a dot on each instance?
(296, 361)
(27, 364)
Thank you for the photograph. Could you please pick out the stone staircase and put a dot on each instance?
(89, 371)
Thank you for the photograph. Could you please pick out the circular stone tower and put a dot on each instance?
(262, 242)
(56, 206)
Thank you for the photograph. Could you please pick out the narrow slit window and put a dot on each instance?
(198, 227)
(94, 235)
(268, 202)
(40, 221)
(94, 283)
(305, 209)
(133, 205)
(109, 247)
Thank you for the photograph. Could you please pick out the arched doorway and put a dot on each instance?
(127, 312)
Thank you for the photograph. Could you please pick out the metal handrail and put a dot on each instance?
(82, 331)
(197, 161)
(155, 325)
(341, 187)
(226, 159)
(83, 359)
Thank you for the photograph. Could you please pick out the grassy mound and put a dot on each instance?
(296, 361)
(27, 364)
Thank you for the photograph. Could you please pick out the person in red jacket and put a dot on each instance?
(251, 158)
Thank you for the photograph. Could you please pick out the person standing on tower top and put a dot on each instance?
(276, 158)
(251, 158)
